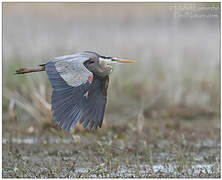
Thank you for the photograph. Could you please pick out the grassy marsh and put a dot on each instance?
(163, 113)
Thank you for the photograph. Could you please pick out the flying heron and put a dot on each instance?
(79, 83)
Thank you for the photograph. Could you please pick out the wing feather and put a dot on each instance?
(96, 103)
(69, 79)
(73, 71)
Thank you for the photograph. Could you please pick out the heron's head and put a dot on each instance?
(107, 62)
(113, 60)
(102, 65)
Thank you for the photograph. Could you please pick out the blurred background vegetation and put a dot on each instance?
(174, 86)
(176, 46)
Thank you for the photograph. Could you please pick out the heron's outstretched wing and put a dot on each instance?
(72, 70)
(95, 103)
(74, 92)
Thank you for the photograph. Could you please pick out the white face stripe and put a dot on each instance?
(101, 60)
(107, 61)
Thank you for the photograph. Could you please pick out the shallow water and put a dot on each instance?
(123, 171)
(34, 140)
(164, 163)
(208, 143)
(159, 168)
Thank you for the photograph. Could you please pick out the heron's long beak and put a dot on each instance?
(117, 60)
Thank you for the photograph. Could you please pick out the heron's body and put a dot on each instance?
(80, 83)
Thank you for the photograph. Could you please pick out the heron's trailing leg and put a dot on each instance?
(25, 70)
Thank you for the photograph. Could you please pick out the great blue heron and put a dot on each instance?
(80, 83)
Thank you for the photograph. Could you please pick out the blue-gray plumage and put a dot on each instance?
(80, 83)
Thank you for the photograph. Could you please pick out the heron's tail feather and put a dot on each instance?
(25, 70)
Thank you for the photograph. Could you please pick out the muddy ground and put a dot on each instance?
(162, 148)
